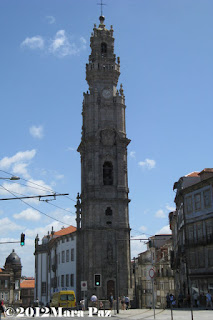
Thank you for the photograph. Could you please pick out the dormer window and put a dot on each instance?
(103, 49)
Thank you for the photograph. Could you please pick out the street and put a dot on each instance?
(140, 314)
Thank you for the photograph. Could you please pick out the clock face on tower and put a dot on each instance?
(107, 93)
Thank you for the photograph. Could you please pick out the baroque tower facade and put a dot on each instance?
(103, 232)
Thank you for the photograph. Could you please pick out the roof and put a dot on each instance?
(1, 270)
(193, 174)
(27, 284)
(13, 259)
(65, 231)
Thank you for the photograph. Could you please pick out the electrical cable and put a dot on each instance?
(37, 209)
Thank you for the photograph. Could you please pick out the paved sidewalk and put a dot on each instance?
(161, 314)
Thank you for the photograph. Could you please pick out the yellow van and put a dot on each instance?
(64, 299)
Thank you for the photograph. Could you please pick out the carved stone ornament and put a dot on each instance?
(108, 137)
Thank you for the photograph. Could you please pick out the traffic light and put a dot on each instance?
(97, 280)
(22, 239)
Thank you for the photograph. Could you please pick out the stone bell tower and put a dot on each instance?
(103, 221)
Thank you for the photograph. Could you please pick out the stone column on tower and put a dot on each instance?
(104, 234)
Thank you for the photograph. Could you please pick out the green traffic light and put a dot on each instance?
(22, 239)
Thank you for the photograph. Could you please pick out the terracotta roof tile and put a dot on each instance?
(193, 174)
(65, 231)
(27, 284)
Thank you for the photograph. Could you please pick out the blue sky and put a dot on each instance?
(166, 50)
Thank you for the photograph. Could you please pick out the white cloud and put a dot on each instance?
(6, 162)
(147, 163)
(50, 19)
(21, 169)
(132, 154)
(36, 42)
(137, 246)
(62, 46)
(28, 214)
(160, 214)
(143, 228)
(165, 230)
(37, 132)
(71, 149)
(170, 208)
(6, 226)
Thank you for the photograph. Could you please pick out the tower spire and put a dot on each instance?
(101, 4)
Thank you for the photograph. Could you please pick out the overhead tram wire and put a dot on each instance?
(45, 214)
(40, 187)
(47, 201)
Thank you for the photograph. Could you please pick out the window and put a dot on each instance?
(199, 231)
(197, 198)
(68, 239)
(63, 256)
(63, 240)
(189, 204)
(191, 233)
(72, 237)
(201, 258)
(67, 280)
(16, 284)
(43, 287)
(72, 280)
(6, 283)
(59, 258)
(207, 198)
(192, 258)
(108, 173)
(67, 256)
(108, 212)
(62, 281)
(209, 230)
(103, 48)
(72, 254)
(210, 257)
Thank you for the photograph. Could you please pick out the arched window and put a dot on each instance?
(107, 173)
(103, 48)
(108, 211)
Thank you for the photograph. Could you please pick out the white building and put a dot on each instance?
(55, 263)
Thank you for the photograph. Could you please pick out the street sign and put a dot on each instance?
(83, 285)
(151, 273)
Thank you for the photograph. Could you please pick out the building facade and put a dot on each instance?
(157, 257)
(10, 277)
(103, 221)
(192, 229)
(27, 286)
(55, 263)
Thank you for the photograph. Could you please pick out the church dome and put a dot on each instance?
(13, 259)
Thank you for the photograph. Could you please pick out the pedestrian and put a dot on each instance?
(94, 300)
(195, 297)
(82, 303)
(111, 299)
(123, 303)
(127, 302)
(2, 308)
(208, 300)
(180, 300)
(168, 301)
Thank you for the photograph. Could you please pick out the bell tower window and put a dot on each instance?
(103, 49)
(108, 173)
(108, 211)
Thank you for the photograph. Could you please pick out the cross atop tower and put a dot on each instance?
(101, 4)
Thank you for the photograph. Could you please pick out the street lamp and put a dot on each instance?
(11, 178)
